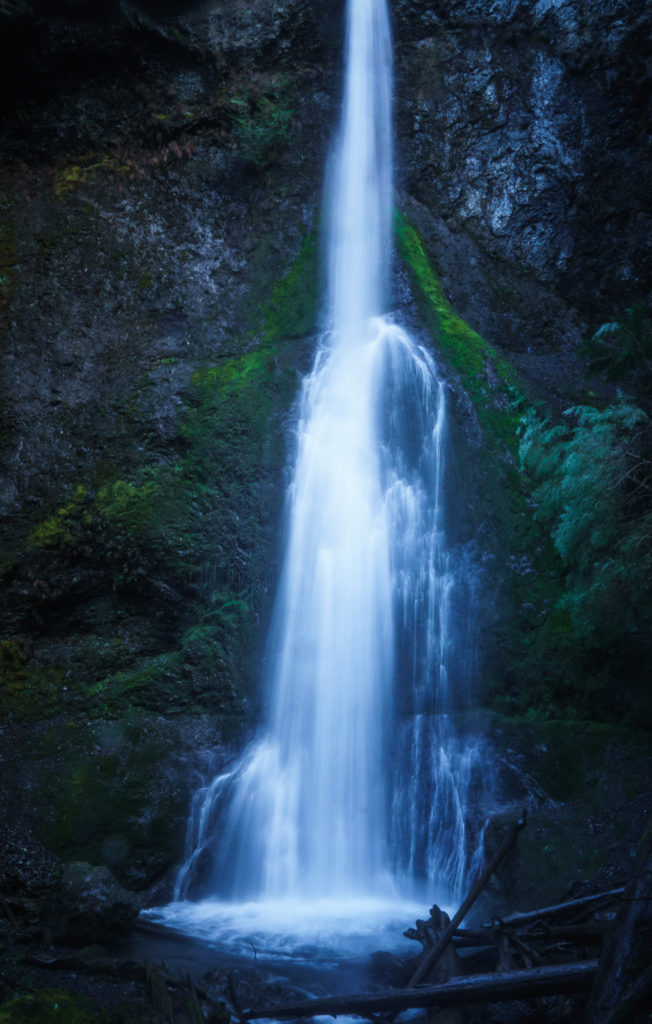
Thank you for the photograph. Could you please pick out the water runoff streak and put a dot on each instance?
(352, 800)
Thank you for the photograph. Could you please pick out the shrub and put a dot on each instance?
(592, 482)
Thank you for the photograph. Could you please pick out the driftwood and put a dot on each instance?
(619, 987)
(448, 965)
(556, 910)
(478, 988)
(468, 938)
(430, 959)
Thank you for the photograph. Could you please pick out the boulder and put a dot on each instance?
(94, 906)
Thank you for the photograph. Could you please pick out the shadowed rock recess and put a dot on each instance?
(161, 176)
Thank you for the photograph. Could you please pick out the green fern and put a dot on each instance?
(592, 482)
(622, 350)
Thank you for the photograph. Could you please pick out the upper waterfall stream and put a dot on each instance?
(351, 803)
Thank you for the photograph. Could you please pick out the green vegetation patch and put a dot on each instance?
(591, 479)
(64, 528)
(27, 691)
(545, 669)
(294, 306)
(108, 802)
(262, 118)
(53, 1006)
(488, 379)
(181, 535)
(69, 176)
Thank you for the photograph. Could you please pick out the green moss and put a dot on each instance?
(27, 691)
(487, 378)
(151, 683)
(155, 533)
(130, 507)
(12, 656)
(53, 1006)
(118, 508)
(294, 305)
(64, 528)
(535, 667)
(106, 803)
(228, 422)
(69, 176)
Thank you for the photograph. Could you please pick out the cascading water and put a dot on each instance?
(335, 801)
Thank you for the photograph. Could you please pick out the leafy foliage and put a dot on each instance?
(622, 350)
(262, 124)
(593, 481)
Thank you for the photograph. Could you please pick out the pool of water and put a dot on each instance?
(301, 931)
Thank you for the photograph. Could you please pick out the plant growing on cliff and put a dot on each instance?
(622, 350)
(262, 124)
(593, 480)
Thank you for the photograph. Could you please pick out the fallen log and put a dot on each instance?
(430, 959)
(519, 920)
(467, 938)
(479, 988)
(578, 934)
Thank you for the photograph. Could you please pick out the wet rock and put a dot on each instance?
(517, 122)
(95, 907)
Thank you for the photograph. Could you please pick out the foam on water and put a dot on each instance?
(298, 930)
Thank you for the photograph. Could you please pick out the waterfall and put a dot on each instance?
(357, 784)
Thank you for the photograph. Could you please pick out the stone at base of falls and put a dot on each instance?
(93, 906)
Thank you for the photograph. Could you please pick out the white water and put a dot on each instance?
(336, 817)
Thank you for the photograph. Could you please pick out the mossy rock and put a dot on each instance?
(25, 691)
(486, 376)
(53, 1006)
(179, 548)
(114, 800)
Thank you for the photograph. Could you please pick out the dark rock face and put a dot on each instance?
(228, 32)
(150, 206)
(113, 791)
(523, 127)
(141, 241)
(586, 809)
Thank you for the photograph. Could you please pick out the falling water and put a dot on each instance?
(335, 800)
